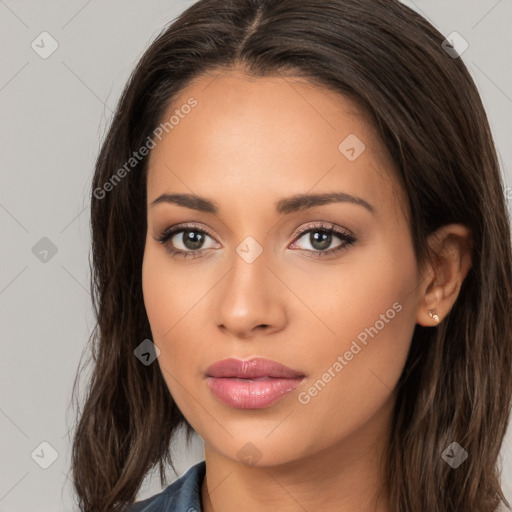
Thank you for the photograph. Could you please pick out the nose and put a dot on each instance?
(251, 300)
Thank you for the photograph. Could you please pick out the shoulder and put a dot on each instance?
(183, 495)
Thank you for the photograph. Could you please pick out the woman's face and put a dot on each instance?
(263, 277)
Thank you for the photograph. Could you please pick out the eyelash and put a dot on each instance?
(329, 229)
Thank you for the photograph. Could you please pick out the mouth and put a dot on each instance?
(251, 384)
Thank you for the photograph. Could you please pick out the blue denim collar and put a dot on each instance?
(183, 495)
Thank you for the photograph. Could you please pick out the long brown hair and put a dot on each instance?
(457, 381)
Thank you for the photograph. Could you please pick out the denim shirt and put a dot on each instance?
(183, 495)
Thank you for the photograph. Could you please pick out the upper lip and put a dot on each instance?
(253, 368)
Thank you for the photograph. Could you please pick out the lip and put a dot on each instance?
(252, 383)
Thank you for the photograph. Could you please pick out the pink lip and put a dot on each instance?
(251, 384)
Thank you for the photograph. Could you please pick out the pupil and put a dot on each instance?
(192, 240)
(319, 240)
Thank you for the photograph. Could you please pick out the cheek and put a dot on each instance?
(158, 291)
(351, 384)
(372, 313)
(172, 300)
(168, 293)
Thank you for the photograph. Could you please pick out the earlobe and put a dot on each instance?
(432, 313)
(451, 248)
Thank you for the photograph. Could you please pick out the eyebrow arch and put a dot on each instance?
(305, 201)
(191, 201)
(292, 204)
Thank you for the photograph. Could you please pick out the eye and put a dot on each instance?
(321, 237)
(187, 241)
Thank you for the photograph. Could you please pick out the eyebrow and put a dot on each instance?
(292, 204)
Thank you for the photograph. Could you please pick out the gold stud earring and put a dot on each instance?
(433, 314)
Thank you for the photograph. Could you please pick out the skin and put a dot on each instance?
(248, 143)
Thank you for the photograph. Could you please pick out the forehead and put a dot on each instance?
(267, 135)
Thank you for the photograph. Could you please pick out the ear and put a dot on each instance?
(451, 247)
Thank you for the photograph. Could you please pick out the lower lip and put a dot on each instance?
(251, 394)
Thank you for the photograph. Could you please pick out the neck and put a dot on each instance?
(346, 477)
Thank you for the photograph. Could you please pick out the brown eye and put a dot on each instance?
(191, 239)
(321, 239)
(185, 241)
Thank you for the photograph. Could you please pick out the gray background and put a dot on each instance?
(54, 114)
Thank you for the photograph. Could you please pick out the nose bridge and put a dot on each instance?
(248, 299)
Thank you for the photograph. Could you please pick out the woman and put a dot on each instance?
(301, 252)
